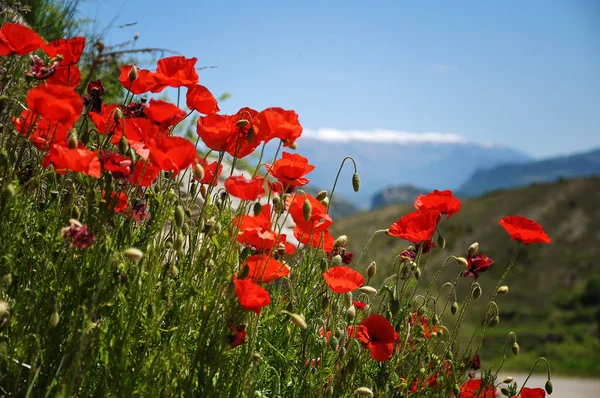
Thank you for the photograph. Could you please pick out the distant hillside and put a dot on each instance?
(554, 300)
(396, 195)
(513, 175)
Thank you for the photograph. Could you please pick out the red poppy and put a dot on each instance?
(318, 221)
(216, 131)
(476, 388)
(415, 227)
(342, 279)
(317, 239)
(237, 336)
(243, 143)
(139, 211)
(69, 49)
(210, 170)
(145, 81)
(426, 246)
(79, 160)
(55, 103)
(291, 169)
(18, 39)
(171, 153)
(117, 202)
(68, 76)
(144, 174)
(442, 201)
(278, 123)
(524, 230)
(118, 165)
(256, 231)
(244, 189)
(163, 113)
(378, 334)
(359, 304)
(200, 99)
(477, 263)
(423, 321)
(41, 132)
(176, 72)
(251, 296)
(265, 269)
(531, 393)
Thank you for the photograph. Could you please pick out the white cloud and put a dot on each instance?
(380, 135)
(443, 68)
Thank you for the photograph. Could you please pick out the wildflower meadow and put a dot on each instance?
(132, 264)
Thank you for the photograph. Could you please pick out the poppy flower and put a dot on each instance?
(237, 336)
(211, 174)
(264, 268)
(176, 72)
(18, 39)
(41, 132)
(524, 230)
(163, 113)
(423, 320)
(198, 98)
(278, 123)
(69, 76)
(531, 393)
(171, 153)
(38, 69)
(118, 165)
(69, 49)
(291, 169)
(317, 239)
(441, 201)
(475, 366)
(244, 189)
(145, 81)
(415, 227)
(117, 202)
(216, 131)
(359, 304)
(251, 296)
(55, 103)
(144, 174)
(342, 279)
(477, 263)
(477, 388)
(255, 231)
(318, 221)
(79, 160)
(378, 334)
(79, 235)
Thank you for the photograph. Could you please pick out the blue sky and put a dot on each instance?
(524, 74)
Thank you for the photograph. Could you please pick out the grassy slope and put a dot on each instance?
(546, 305)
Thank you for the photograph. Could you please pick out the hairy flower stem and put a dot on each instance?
(337, 177)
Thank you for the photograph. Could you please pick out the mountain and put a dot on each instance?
(395, 195)
(512, 175)
(553, 304)
(389, 162)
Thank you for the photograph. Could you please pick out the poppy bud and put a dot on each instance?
(123, 145)
(173, 271)
(418, 273)
(507, 380)
(449, 355)
(178, 243)
(337, 260)
(230, 289)
(179, 216)
(298, 320)
(351, 313)
(340, 241)
(454, 308)
(293, 146)
(502, 290)
(198, 171)
(133, 254)
(133, 74)
(462, 261)
(117, 115)
(321, 195)
(185, 229)
(395, 307)
(515, 348)
(456, 389)
(348, 299)
(242, 123)
(257, 208)
(72, 139)
(250, 135)
(307, 209)
(203, 191)
(323, 265)
(473, 249)
(325, 202)
(371, 269)
(3, 307)
(368, 290)
(8, 192)
(494, 321)
(548, 387)
(505, 391)
(363, 392)
(441, 241)
(243, 274)
(54, 319)
(476, 293)
(355, 182)
(324, 303)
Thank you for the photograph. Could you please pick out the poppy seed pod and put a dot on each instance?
(502, 290)
(363, 392)
(72, 139)
(473, 249)
(179, 216)
(133, 74)
(515, 348)
(355, 182)
(307, 209)
(133, 254)
(321, 195)
(372, 269)
(548, 387)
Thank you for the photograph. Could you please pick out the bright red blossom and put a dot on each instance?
(244, 189)
(378, 334)
(442, 201)
(290, 170)
(531, 393)
(144, 174)
(237, 336)
(163, 113)
(415, 227)
(251, 296)
(343, 279)
(176, 72)
(55, 103)
(171, 153)
(256, 231)
(211, 174)
(264, 268)
(117, 202)
(477, 263)
(476, 388)
(278, 123)
(79, 160)
(320, 239)
(18, 39)
(524, 230)
(69, 76)
(200, 99)
(69, 49)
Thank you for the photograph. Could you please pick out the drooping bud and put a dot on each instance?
(507, 380)
(250, 135)
(515, 348)
(462, 261)
(351, 313)
(307, 209)
(117, 115)
(293, 146)
(54, 319)
(325, 202)
(473, 249)
(454, 308)
(418, 273)
(244, 272)
(198, 171)
(179, 216)
(340, 241)
(441, 241)
(372, 269)
(502, 290)
(476, 292)
(323, 265)
(548, 387)
(363, 392)
(72, 139)
(494, 321)
(242, 123)
(355, 182)
(133, 74)
(337, 260)
(133, 254)
(321, 195)
(257, 208)
(368, 290)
